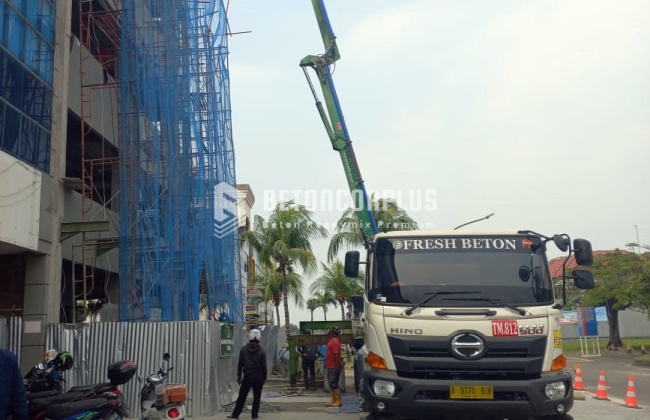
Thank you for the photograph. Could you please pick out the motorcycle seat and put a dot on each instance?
(40, 404)
(42, 394)
(67, 409)
(102, 386)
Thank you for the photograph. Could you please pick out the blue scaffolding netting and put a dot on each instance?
(179, 242)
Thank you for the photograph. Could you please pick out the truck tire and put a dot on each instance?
(358, 373)
(364, 410)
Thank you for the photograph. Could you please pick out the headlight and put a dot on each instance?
(555, 390)
(383, 388)
(154, 378)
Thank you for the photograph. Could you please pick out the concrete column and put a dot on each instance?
(43, 274)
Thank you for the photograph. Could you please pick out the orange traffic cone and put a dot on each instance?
(601, 391)
(630, 399)
(578, 385)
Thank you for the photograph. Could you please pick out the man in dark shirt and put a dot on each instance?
(309, 355)
(252, 365)
(13, 399)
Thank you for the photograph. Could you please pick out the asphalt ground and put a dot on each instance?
(617, 367)
(312, 408)
(293, 405)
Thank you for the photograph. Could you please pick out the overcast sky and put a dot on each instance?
(536, 111)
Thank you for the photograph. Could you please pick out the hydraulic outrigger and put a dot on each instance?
(335, 122)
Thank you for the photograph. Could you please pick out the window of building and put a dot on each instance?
(26, 70)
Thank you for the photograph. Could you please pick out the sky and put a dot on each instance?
(537, 111)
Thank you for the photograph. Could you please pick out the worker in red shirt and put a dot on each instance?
(333, 365)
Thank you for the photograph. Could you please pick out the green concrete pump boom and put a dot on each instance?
(334, 121)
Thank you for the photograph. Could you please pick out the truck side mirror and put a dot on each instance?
(561, 242)
(351, 268)
(583, 279)
(583, 252)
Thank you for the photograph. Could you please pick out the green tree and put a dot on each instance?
(325, 299)
(621, 280)
(284, 242)
(271, 285)
(334, 281)
(312, 305)
(388, 215)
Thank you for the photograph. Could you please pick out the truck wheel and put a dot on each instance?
(357, 376)
(364, 410)
(365, 413)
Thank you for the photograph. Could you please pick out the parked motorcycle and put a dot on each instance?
(96, 401)
(46, 378)
(159, 400)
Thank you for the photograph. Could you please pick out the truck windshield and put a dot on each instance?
(510, 269)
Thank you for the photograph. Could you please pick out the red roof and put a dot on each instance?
(556, 263)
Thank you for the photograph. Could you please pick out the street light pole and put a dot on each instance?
(474, 221)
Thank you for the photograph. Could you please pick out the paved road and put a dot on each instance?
(312, 407)
(296, 408)
(617, 366)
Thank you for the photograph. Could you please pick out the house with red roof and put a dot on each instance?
(556, 263)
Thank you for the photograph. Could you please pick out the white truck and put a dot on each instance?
(460, 323)
(455, 322)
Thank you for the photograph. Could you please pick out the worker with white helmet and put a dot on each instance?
(251, 374)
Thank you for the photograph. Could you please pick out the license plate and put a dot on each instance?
(473, 392)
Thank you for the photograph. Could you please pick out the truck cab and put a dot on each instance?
(460, 322)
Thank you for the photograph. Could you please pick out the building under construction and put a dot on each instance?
(117, 164)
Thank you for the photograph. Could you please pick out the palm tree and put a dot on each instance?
(284, 241)
(312, 305)
(388, 215)
(271, 285)
(325, 299)
(333, 280)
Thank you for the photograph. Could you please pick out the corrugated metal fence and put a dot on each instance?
(11, 333)
(194, 347)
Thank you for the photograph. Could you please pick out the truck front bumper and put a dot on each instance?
(431, 397)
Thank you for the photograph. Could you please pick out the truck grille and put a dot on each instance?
(504, 358)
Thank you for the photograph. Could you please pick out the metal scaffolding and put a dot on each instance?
(99, 40)
(176, 158)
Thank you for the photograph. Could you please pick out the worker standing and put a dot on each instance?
(333, 365)
(252, 364)
(309, 355)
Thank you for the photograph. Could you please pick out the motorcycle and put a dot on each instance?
(159, 400)
(46, 378)
(96, 401)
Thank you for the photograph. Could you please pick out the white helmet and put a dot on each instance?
(49, 355)
(255, 335)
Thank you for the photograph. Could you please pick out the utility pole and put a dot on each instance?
(638, 243)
